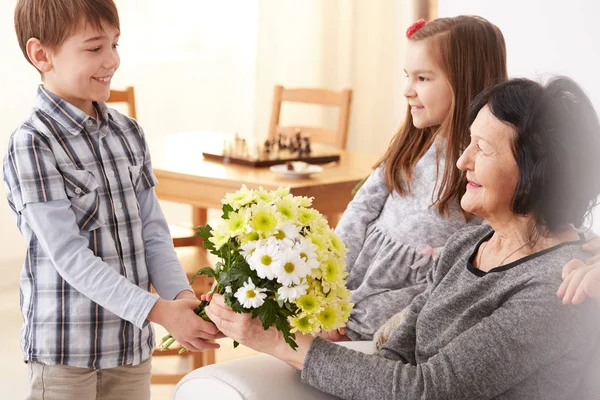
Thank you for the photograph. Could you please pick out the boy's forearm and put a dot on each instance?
(56, 229)
(168, 277)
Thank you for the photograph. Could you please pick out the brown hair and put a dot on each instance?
(471, 52)
(53, 21)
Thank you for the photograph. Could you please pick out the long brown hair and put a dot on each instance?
(471, 52)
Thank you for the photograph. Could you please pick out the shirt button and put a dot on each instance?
(89, 122)
(119, 205)
(78, 190)
(111, 173)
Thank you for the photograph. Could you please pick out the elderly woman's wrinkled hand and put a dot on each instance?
(241, 327)
(580, 280)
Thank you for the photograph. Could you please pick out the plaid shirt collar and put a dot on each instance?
(67, 115)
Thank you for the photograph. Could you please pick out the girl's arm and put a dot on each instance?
(361, 212)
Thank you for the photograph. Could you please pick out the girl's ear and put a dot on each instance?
(38, 55)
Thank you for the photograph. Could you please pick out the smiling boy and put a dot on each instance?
(79, 181)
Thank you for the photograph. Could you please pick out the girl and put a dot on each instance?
(409, 206)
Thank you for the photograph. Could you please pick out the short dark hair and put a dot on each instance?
(53, 21)
(556, 147)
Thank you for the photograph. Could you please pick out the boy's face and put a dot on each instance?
(83, 66)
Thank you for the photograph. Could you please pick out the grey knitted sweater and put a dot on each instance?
(391, 241)
(474, 335)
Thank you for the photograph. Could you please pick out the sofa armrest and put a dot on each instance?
(257, 377)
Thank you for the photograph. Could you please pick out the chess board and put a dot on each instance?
(316, 156)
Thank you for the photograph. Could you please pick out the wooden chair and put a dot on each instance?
(191, 255)
(337, 138)
(341, 100)
(124, 96)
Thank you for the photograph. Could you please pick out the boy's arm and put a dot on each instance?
(56, 230)
(166, 273)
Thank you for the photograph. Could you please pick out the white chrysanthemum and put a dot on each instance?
(242, 197)
(265, 258)
(250, 296)
(308, 252)
(247, 249)
(291, 293)
(288, 231)
(291, 268)
(228, 289)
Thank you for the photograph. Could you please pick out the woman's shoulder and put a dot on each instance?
(467, 236)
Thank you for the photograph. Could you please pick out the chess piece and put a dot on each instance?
(307, 148)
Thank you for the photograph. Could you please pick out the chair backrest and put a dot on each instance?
(124, 96)
(341, 100)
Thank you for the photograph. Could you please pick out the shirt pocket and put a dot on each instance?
(81, 187)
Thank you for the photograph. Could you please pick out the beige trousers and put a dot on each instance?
(61, 382)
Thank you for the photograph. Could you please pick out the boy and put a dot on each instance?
(79, 180)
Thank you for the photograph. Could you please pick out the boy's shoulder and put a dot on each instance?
(31, 129)
(125, 122)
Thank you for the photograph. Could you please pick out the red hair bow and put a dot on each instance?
(415, 27)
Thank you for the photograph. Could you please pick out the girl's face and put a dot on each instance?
(427, 90)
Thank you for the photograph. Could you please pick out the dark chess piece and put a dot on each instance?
(267, 148)
(280, 143)
(298, 139)
(306, 148)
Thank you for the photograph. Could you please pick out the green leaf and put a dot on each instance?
(282, 325)
(226, 210)
(208, 271)
(267, 313)
(204, 232)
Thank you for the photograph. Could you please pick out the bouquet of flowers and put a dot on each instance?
(278, 259)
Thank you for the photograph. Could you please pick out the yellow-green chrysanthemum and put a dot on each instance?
(318, 240)
(308, 303)
(242, 197)
(305, 201)
(287, 207)
(264, 220)
(237, 222)
(263, 195)
(307, 215)
(336, 242)
(332, 270)
(329, 318)
(303, 324)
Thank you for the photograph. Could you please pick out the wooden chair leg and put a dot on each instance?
(333, 220)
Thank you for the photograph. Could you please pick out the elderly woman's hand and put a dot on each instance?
(580, 280)
(242, 327)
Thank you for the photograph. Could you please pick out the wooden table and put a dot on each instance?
(203, 184)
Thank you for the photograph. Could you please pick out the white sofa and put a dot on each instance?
(258, 377)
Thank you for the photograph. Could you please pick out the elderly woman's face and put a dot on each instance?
(492, 171)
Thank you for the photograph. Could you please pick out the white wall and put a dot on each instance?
(545, 37)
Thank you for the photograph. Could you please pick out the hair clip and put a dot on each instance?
(415, 27)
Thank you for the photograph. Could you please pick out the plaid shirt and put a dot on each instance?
(60, 154)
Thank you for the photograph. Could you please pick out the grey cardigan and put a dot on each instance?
(474, 335)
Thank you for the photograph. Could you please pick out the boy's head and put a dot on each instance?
(72, 43)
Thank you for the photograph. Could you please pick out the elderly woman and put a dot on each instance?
(489, 324)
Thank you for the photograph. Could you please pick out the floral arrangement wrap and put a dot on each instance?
(279, 260)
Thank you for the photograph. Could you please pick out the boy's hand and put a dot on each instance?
(179, 319)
